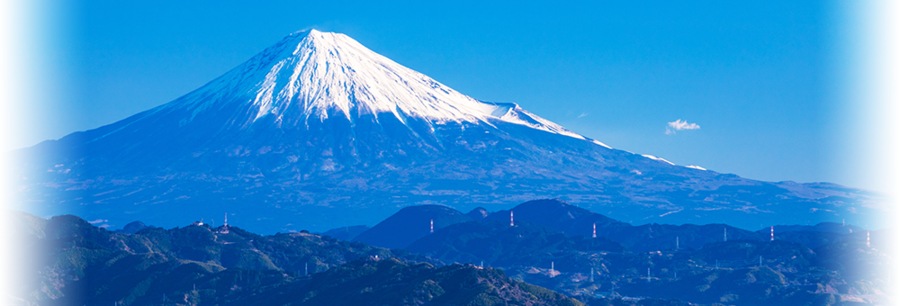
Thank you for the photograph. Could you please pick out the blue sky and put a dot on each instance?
(763, 81)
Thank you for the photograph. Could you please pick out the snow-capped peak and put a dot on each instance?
(313, 74)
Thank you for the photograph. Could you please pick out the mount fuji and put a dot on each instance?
(317, 131)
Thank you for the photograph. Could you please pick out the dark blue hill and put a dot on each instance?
(410, 224)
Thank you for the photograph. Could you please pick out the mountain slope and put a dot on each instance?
(318, 132)
(80, 264)
(392, 282)
(500, 245)
(409, 224)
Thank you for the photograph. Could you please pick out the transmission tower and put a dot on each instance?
(551, 269)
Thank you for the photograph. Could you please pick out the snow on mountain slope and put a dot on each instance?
(657, 158)
(318, 132)
(312, 74)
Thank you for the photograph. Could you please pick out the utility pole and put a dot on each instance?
(648, 275)
(676, 242)
(306, 269)
(725, 234)
(592, 274)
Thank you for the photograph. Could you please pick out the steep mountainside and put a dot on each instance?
(317, 132)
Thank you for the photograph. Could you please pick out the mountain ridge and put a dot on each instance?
(384, 136)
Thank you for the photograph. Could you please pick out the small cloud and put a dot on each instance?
(98, 221)
(582, 115)
(679, 125)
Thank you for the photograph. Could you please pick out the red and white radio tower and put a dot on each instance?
(432, 225)
(510, 218)
(595, 231)
(867, 240)
(773, 233)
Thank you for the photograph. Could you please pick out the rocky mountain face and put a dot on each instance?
(318, 132)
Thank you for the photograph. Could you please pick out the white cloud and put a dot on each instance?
(582, 115)
(679, 125)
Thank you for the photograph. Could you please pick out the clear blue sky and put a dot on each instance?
(762, 80)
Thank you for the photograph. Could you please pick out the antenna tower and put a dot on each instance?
(595, 231)
(432, 225)
(772, 232)
(225, 226)
(725, 233)
(511, 218)
(868, 245)
(551, 269)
